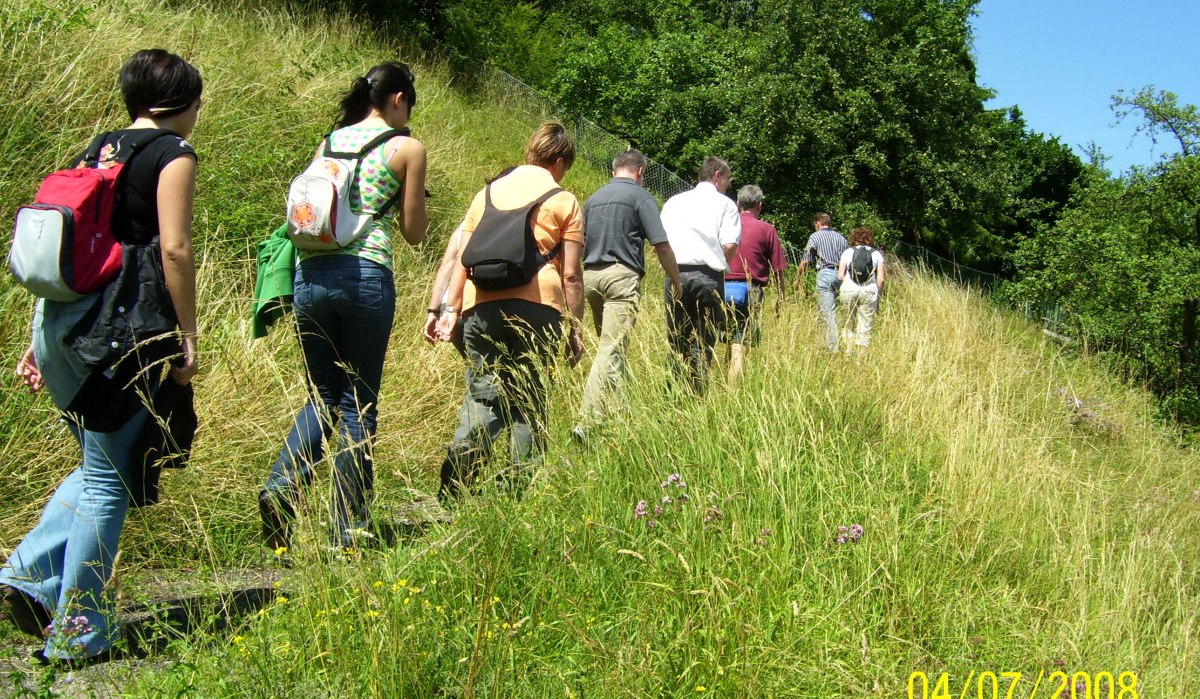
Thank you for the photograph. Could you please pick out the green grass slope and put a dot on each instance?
(1021, 511)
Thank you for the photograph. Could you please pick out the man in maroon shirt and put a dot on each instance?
(758, 260)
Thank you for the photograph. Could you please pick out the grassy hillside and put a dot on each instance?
(1021, 511)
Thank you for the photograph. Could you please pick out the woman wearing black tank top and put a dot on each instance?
(55, 584)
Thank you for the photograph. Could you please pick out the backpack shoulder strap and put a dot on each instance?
(92, 155)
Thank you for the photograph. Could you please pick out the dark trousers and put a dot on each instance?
(508, 345)
(694, 322)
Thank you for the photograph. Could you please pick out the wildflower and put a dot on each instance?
(237, 639)
(641, 510)
(280, 551)
(377, 584)
(683, 497)
(650, 524)
(701, 688)
(713, 514)
(402, 582)
(671, 480)
(667, 500)
(282, 599)
(658, 510)
(764, 532)
(850, 534)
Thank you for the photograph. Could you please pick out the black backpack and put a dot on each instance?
(861, 266)
(502, 252)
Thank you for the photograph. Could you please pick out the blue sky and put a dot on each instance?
(1061, 61)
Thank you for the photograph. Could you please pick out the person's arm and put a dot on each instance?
(652, 229)
(730, 233)
(454, 295)
(408, 163)
(778, 265)
(176, 194)
(440, 282)
(879, 274)
(572, 276)
(666, 258)
(843, 262)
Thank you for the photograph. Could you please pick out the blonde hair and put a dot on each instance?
(549, 143)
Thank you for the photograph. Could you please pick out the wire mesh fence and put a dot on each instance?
(593, 144)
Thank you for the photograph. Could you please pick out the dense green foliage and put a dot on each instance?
(1124, 260)
(868, 110)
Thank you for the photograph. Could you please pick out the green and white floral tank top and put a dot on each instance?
(376, 184)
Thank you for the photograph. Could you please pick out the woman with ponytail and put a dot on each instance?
(344, 303)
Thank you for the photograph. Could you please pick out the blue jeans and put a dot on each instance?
(827, 289)
(66, 561)
(344, 308)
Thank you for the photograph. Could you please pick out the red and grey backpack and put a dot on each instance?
(63, 244)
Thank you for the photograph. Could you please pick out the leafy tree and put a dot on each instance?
(1124, 259)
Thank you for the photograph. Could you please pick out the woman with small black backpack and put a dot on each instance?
(861, 273)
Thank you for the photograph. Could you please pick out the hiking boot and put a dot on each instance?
(276, 516)
(27, 614)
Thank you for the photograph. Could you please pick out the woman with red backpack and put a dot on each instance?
(55, 585)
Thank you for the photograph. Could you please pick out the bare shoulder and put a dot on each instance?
(407, 147)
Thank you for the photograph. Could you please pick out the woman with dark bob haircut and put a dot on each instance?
(55, 585)
(344, 302)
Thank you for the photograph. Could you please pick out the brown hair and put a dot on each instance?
(862, 236)
(823, 219)
(549, 143)
(711, 167)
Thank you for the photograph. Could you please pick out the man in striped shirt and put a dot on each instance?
(823, 250)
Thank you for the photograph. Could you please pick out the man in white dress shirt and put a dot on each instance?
(703, 227)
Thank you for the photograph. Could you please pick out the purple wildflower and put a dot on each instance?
(667, 500)
(658, 510)
(850, 534)
(641, 510)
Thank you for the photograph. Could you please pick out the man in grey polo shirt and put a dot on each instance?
(823, 250)
(619, 218)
